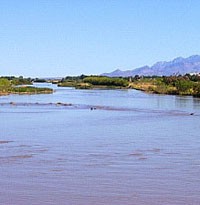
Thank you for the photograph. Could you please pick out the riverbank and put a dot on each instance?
(173, 85)
(94, 82)
(26, 90)
(187, 85)
(13, 86)
(89, 86)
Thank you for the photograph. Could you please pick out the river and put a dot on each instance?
(137, 149)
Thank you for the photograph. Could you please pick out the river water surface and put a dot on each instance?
(134, 149)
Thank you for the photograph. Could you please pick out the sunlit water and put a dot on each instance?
(144, 151)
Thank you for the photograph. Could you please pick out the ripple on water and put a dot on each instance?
(18, 153)
(135, 154)
(143, 158)
(154, 150)
(14, 158)
(5, 142)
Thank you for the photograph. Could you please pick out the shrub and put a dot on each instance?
(106, 81)
(4, 85)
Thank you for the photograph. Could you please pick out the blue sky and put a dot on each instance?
(43, 38)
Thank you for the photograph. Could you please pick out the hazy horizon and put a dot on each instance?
(57, 77)
(60, 38)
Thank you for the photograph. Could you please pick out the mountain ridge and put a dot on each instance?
(178, 65)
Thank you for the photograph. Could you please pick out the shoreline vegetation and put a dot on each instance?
(8, 85)
(94, 82)
(187, 85)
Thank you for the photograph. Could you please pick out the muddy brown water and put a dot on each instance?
(143, 150)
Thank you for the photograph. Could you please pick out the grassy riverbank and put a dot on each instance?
(173, 85)
(93, 82)
(8, 87)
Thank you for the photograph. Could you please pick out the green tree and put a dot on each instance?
(4, 85)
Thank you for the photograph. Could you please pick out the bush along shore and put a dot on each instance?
(92, 82)
(173, 85)
(8, 87)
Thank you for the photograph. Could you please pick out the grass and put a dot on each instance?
(30, 90)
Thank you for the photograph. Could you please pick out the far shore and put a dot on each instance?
(186, 85)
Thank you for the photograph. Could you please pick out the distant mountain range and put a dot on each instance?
(177, 66)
